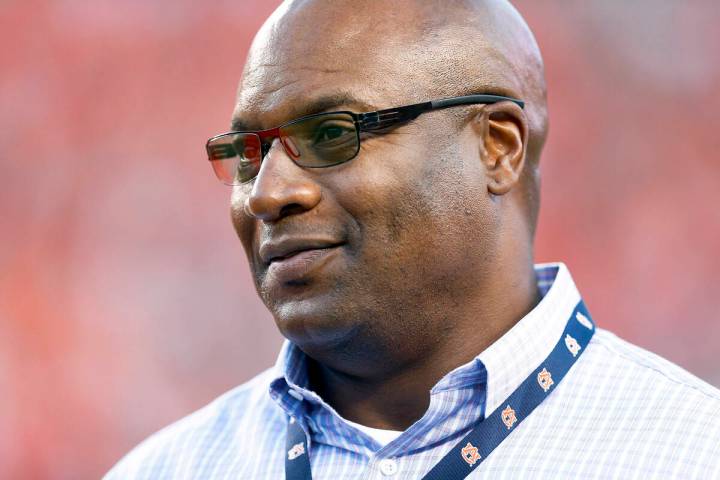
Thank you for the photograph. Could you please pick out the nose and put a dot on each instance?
(281, 188)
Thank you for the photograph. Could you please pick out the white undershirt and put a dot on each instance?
(383, 437)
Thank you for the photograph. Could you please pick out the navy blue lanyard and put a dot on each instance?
(470, 452)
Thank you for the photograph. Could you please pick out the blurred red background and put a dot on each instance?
(125, 298)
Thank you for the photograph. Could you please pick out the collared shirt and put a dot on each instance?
(620, 412)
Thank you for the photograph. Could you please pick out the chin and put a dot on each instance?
(312, 324)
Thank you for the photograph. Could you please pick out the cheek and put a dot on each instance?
(426, 214)
(243, 224)
(407, 201)
(377, 190)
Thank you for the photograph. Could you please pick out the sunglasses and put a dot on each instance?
(320, 140)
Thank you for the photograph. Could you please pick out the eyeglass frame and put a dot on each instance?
(369, 121)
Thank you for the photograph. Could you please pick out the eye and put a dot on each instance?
(333, 133)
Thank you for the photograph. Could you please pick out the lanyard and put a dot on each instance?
(475, 447)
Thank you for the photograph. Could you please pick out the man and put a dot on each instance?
(394, 250)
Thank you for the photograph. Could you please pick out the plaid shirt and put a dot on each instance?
(621, 412)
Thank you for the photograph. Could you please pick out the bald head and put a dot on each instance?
(418, 50)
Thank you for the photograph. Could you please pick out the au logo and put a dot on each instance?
(584, 321)
(296, 450)
(470, 454)
(572, 345)
(545, 380)
(508, 417)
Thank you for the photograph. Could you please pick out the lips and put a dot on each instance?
(275, 251)
(294, 262)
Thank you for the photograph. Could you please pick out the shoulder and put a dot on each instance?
(627, 413)
(646, 369)
(643, 410)
(198, 440)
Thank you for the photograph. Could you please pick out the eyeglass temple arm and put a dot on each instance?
(391, 116)
(473, 99)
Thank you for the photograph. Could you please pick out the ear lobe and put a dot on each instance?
(504, 138)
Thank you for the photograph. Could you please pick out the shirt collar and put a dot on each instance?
(502, 366)
(516, 354)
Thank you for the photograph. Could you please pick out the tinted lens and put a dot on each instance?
(235, 157)
(321, 140)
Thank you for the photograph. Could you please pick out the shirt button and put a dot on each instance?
(388, 466)
(297, 395)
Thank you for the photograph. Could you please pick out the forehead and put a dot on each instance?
(299, 57)
(287, 91)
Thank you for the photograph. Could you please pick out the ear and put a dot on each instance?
(503, 132)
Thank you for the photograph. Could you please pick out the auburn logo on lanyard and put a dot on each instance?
(296, 450)
(508, 417)
(470, 454)
(545, 380)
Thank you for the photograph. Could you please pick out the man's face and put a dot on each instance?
(365, 250)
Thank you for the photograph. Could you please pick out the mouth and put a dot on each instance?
(286, 248)
(291, 260)
(302, 253)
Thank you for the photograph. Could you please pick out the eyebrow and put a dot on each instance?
(317, 105)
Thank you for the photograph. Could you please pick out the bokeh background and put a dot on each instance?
(125, 300)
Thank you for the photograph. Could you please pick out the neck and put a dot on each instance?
(397, 394)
